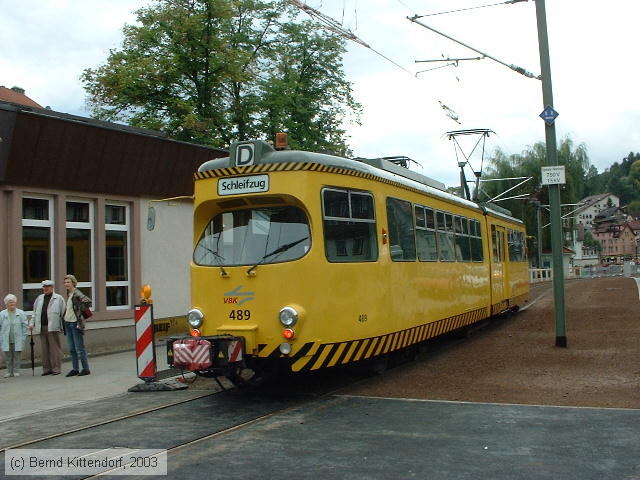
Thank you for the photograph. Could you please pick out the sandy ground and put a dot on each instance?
(515, 360)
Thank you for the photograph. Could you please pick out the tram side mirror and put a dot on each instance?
(151, 218)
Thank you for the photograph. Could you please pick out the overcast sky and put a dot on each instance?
(594, 64)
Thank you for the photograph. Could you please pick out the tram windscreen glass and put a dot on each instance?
(254, 236)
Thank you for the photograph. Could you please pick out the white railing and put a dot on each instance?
(537, 275)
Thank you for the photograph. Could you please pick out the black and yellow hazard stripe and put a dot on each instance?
(314, 356)
(296, 167)
(499, 307)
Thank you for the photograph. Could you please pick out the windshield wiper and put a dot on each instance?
(218, 258)
(281, 249)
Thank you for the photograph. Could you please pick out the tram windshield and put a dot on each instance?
(254, 236)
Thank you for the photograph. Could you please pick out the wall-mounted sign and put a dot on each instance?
(553, 175)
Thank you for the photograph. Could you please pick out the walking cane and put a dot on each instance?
(33, 363)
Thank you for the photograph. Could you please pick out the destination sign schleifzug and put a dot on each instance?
(242, 185)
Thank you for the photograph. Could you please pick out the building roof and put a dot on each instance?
(613, 228)
(47, 149)
(565, 251)
(634, 225)
(592, 200)
(16, 95)
(610, 214)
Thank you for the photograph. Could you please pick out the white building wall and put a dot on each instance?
(587, 215)
(547, 262)
(166, 255)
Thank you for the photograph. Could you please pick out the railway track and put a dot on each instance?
(178, 449)
(69, 431)
(179, 427)
(176, 425)
(167, 427)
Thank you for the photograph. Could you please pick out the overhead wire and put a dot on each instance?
(405, 6)
(334, 26)
(469, 8)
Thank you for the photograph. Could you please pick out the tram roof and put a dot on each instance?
(265, 154)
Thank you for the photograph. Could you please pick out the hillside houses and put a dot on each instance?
(602, 218)
(592, 206)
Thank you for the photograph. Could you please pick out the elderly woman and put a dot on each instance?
(13, 332)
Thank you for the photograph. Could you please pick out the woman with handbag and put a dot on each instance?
(77, 311)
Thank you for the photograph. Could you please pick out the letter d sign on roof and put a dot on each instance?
(245, 154)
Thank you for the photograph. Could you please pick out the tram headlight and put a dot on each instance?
(288, 316)
(195, 318)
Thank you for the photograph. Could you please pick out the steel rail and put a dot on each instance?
(104, 422)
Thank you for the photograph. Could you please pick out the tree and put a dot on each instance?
(634, 209)
(591, 242)
(634, 175)
(620, 177)
(593, 182)
(306, 93)
(215, 71)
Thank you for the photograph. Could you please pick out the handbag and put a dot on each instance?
(192, 354)
(87, 313)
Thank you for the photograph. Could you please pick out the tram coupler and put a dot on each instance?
(213, 356)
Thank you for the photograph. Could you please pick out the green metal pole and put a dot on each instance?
(539, 234)
(554, 190)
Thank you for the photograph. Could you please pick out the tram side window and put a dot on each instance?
(494, 243)
(497, 241)
(463, 248)
(446, 239)
(349, 226)
(476, 241)
(402, 241)
(516, 246)
(425, 234)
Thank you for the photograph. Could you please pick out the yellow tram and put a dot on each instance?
(304, 261)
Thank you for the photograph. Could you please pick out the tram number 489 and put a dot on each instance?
(240, 314)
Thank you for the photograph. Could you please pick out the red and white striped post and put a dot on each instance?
(145, 346)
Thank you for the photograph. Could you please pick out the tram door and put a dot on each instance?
(498, 268)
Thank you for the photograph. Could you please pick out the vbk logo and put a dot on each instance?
(244, 154)
(237, 296)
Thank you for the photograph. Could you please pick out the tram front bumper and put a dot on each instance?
(214, 355)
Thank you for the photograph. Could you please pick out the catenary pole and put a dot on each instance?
(539, 234)
(554, 190)
(549, 115)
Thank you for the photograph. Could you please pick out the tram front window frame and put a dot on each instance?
(349, 221)
(254, 236)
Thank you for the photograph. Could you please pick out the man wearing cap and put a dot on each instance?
(48, 312)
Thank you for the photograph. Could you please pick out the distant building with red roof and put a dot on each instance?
(16, 95)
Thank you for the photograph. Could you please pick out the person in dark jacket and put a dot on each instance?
(77, 303)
